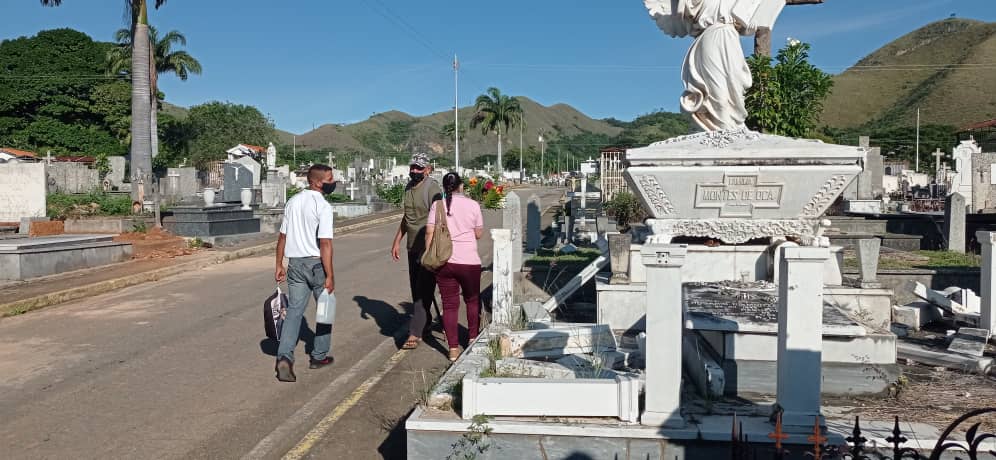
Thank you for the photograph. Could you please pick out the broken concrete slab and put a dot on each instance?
(916, 315)
(558, 341)
(534, 311)
(970, 341)
(955, 361)
(604, 360)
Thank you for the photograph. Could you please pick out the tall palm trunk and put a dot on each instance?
(154, 92)
(141, 118)
(501, 167)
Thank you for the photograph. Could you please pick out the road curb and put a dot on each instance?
(22, 306)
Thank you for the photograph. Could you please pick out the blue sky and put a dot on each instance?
(309, 63)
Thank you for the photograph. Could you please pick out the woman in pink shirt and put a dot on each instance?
(463, 270)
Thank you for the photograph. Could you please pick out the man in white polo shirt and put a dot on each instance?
(306, 240)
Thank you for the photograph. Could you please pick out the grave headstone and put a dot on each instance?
(253, 166)
(512, 220)
(503, 251)
(23, 188)
(181, 182)
(962, 180)
(987, 280)
(534, 215)
(274, 194)
(237, 177)
(117, 174)
(619, 254)
(954, 222)
(868, 251)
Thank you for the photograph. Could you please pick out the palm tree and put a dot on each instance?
(141, 93)
(164, 60)
(495, 110)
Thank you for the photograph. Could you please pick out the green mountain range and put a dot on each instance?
(947, 69)
(558, 120)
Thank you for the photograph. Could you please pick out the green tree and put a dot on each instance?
(494, 111)
(141, 93)
(787, 97)
(45, 105)
(165, 59)
(217, 126)
(652, 127)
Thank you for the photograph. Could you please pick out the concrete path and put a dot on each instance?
(179, 369)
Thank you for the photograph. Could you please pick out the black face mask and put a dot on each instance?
(416, 176)
(328, 188)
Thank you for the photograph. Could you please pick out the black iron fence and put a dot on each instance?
(948, 445)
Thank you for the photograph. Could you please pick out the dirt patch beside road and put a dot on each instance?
(155, 244)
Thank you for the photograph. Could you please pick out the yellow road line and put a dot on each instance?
(304, 446)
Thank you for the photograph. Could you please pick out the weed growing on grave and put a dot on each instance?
(494, 354)
(474, 442)
(196, 243)
(518, 320)
(422, 386)
(139, 227)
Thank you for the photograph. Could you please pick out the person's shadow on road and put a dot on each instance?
(388, 318)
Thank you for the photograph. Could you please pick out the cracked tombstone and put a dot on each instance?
(512, 220)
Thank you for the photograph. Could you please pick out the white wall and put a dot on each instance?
(22, 191)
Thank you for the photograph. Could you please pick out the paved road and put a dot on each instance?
(177, 369)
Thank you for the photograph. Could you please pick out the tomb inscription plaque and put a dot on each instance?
(738, 195)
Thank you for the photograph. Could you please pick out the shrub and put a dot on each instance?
(626, 208)
(391, 194)
(63, 206)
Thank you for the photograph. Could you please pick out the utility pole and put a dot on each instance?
(917, 139)
(294, 166)
(542, 158)
(456, 110)
(521, 174)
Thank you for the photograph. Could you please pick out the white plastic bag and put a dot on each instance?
(326, 308)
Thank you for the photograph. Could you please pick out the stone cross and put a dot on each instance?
(664, 330)
(954, 222)
(534, 214)
(938, 154)
(501, 303)
(512, 220)
(352, 190)
(987, 280)
(800, 334)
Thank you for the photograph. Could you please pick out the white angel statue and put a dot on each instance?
(715, 71)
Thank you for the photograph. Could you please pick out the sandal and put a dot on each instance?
(411, 343)
(454, 354)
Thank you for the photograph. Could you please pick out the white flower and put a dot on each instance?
(793, 42)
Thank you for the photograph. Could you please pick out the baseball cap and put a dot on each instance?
(419, 159)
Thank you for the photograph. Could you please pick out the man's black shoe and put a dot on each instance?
(320, 363)
(285, 371)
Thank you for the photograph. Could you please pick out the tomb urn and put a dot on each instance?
(246, 198)
(208, 197)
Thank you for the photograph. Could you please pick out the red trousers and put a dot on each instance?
(453, 278)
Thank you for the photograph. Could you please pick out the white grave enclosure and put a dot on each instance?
(22, 191)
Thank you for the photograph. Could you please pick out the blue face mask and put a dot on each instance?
(328, 188)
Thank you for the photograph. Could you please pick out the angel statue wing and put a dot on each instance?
(669, 16)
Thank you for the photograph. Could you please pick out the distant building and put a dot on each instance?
(895, 167)
(8, 154)
(612, 163)
(983, 132)
(246, 150)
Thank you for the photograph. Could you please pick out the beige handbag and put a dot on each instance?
(441, 247)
